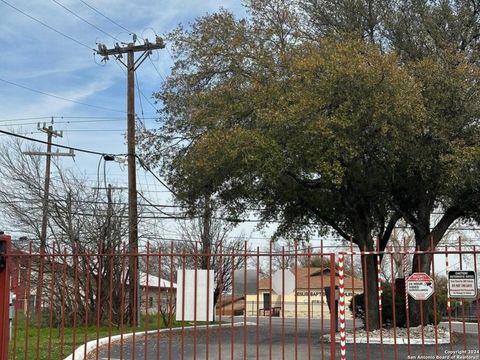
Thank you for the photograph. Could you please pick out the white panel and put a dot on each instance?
(281, 277)
(185, 307)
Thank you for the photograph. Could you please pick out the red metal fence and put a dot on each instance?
(182, 303)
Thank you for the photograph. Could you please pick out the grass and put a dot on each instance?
(57, 343)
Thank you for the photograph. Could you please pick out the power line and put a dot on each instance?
(156, 69)
(26, 118)
(105, 16)
(47, 26)
(62, 122)
(85, 20)
(58, 97)
(53, 144)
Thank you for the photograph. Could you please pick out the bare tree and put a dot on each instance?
(81, 222)
(221, 253)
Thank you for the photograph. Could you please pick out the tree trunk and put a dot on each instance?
(370, 286)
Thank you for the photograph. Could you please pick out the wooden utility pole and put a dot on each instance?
(131, 65)
(46, 193)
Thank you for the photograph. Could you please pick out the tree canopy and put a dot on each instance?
(344, 115)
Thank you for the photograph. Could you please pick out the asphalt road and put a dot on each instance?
(276, 342)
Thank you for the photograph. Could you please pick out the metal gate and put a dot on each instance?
(174, 303)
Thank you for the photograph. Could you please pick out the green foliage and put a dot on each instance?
(341, 115)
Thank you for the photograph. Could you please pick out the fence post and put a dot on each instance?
(333, 313)
(4, 295)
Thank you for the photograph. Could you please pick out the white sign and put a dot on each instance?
(195, 305)
(283, 282)
(462, 284)
(420, 286)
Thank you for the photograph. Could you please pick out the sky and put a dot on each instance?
(48, 49)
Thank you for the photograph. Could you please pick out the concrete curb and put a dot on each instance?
(87, 348)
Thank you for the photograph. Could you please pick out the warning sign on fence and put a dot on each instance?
(420, 286)
(462, 284)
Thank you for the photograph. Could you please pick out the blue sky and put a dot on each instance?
(39, 58)
(36, 57)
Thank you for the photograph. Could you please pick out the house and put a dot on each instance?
(308, 297)
(156, 294)
(64, 273)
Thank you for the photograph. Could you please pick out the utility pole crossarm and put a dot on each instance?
(118, 50)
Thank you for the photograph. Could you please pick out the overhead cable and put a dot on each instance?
(47, 26)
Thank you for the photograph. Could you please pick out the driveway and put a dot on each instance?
(271, 340)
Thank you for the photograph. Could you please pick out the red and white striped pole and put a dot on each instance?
(405, 274)
(341, 288)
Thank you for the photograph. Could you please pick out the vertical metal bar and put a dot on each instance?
(464, 327)
(333, 315)
(407, 310)
(135, 307)
(170, 303)
(379, 294)
(123, 306)
(87, 301)
(209, 304)
(245, 301)
(232, 342)
(98, 300)
(39, 304)
(270, 338)
(353, 301)
(432, 247)
(365, 292)
(18, 268)
(160, 310)
(110, 300)
(75, 297)
(422, 320)
(309, 310)
(51, 299)
(183, 305)
(296, 300)
(394, 299)
(195, 296)
(219, 303)
(477, 302)
(322, 302)
(5, 296)
(283, 302)
(27, 313)
(449, 308)
(64, 296)
(146, 299)
(257, 330)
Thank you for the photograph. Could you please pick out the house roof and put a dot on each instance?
(319, 278)
(148, 280)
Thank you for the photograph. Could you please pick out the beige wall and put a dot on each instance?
(152, 299)
(289, 308)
